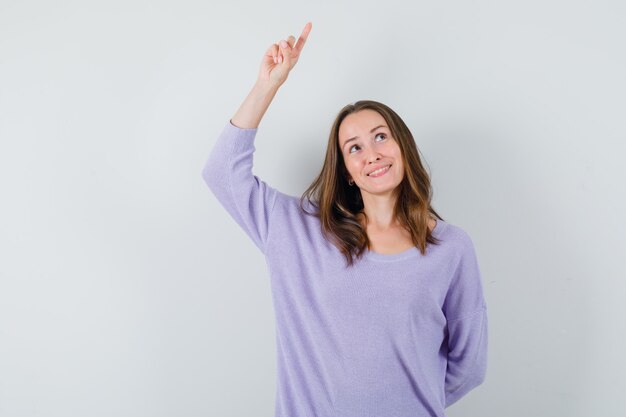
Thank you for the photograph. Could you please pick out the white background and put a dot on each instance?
(127, 290)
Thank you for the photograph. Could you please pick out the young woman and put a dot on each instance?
(378, 301)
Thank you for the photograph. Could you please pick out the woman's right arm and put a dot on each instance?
(228, 169)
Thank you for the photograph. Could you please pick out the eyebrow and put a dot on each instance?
(356, 137)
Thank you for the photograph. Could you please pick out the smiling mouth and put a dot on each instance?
(379, 172)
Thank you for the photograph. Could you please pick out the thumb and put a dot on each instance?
(286, 50)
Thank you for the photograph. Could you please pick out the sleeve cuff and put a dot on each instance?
(230, 123)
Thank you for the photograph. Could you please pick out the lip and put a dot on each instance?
(388, 166)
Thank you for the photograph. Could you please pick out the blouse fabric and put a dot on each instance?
(395, 335)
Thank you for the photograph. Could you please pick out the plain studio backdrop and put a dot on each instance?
(127, 290)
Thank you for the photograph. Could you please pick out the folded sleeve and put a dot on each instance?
(228, 174)
(466, 315)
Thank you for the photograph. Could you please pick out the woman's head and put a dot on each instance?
(364, 136)
(372, 158)
(392, 144)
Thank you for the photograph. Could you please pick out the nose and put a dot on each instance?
(373, 155)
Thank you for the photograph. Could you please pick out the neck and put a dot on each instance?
(380, 211)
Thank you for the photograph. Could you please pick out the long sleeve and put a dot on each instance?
(466, 313)
(228, 173)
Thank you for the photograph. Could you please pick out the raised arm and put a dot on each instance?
(278, 61)
(228, 169)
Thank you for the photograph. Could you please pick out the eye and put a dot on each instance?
(377, 135)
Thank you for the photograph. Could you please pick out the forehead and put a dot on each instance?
(359, 124)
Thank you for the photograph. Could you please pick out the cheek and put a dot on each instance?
(353, 169)
(352, 165)
(399, 165)
(400, 171)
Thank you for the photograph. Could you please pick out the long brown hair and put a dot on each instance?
(338, 203)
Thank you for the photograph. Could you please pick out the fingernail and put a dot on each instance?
(283, 44)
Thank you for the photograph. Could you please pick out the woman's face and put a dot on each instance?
(367, 145)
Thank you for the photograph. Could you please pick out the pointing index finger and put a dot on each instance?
(303, 36)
